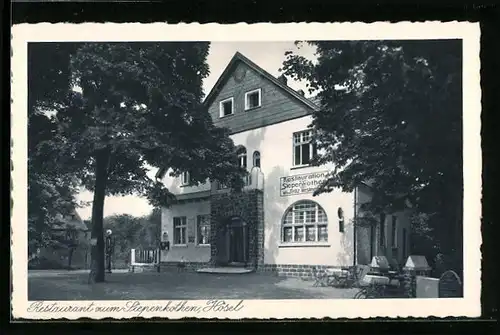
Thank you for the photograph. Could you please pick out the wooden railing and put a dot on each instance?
(144, 257)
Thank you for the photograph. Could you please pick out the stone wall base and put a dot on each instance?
(304, 271)
(293, 270)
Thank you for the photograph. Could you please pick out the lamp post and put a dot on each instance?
(109, 248)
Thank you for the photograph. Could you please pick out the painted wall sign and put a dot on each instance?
(301, 183)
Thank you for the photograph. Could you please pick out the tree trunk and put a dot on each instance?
(97, 253)
(70, 257)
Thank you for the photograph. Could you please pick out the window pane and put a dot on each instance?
(306, 153)
(296, 138)
(227, 107)
(299, 234)
(323, 233)
(253, 100)
(177, 236)
(297, 155)
(289, 218)
(321, 216)
(314, 150)
(306, 136)
(299, 216)
(287, 234)
(310, 216)
(310, 233)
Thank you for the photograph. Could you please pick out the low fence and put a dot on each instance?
(141, 258)
(449, 285)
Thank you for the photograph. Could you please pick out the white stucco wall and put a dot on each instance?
(191, 252)
(275, 144)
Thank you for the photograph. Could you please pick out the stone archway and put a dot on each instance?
(235, 223)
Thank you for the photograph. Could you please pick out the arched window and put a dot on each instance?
(242, 156)
(256, 159)
(305, 221)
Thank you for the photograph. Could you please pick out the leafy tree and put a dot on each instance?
(125, 228)
(148, 235)
(139, 105)
(51, 187)
(131, 232)
(391, 117)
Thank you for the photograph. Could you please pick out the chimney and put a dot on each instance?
(301, 92)
(282, 79)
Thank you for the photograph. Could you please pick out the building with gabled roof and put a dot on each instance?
(275, 223)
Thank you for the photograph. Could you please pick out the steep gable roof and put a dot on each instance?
(312, 103)
(238, 57)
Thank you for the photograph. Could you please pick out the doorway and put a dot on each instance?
(238, 242)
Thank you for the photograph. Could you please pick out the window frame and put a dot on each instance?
(242, 153)
(317, 224)
(183, 181)
(301, 144)
(256, 156)
(198, 221)
(247, 94)
(182, 228)
(221, 108)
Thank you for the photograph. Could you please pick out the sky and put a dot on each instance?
(268, 55)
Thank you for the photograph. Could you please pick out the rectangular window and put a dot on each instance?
(185, 178)
(203, 229)
(382, 230)
(180, 230)
(394, 231)
(303, 148)
(226, 107)
(253, 99)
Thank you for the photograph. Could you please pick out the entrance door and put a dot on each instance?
(237, 242)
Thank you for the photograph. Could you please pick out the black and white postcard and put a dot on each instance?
(246, 171)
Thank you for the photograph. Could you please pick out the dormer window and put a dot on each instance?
(226, 107)
(253, 99)
(185, 179)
